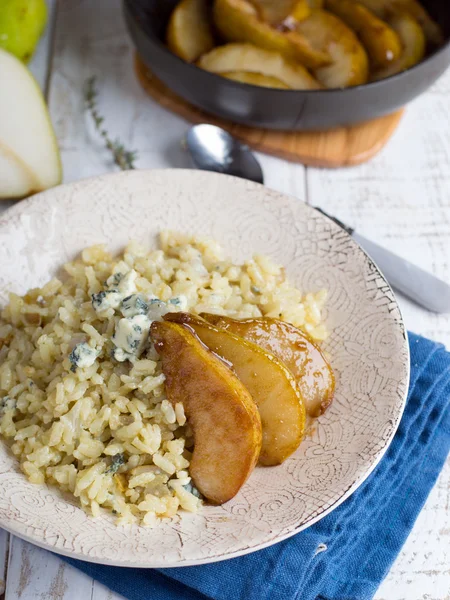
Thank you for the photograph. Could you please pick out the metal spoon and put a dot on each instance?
(214, 149)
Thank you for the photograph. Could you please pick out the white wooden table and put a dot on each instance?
(401, 199)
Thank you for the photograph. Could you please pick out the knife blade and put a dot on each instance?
(418, 285)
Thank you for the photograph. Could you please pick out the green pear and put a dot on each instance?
(29, 155)
(16, 180)
(21, 25)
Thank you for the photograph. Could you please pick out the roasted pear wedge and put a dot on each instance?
(382, 43)
(300, 11)
(249, 58)
(256, 79)
(270, 383)
(433, 33)
(239, 21)
(276, 12)
(220, 410)
(414, 45)
(302, 357)
(189, 33)
(327, 33)
(384, 8)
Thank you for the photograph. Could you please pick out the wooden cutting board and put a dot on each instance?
(340, 147)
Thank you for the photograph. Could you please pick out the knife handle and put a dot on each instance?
(418, 285)
(412, 281)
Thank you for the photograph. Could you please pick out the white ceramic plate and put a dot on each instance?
(368, 348)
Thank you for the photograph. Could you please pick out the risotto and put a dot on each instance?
(83, 404)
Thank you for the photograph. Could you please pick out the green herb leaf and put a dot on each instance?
(123, 158)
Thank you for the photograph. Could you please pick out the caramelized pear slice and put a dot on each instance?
(302, 357)
(384, 8)
(274, 12)
(270, 383)
(256, 79)
(433, 32)
(238, 21)
(281, 11)
(249, 58)
(382, 43)
(327, 33)
(413, 40)
(189, 33)
(300, 11)
(221, 412)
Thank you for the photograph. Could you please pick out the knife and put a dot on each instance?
(412, 281)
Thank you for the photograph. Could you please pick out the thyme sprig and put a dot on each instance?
(123, 158)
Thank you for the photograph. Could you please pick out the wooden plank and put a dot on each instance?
(34, 573)
(100, 592)
(40, 64)
(401, 199)
(40, 67)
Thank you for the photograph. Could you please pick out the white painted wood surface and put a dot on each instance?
(400, 199)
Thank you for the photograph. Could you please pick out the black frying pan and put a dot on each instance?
(272, 108)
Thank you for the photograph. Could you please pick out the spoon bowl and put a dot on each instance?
(212, 148)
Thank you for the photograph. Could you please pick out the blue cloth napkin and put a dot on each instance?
(362, 537)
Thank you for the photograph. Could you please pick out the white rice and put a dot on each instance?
(77, 414)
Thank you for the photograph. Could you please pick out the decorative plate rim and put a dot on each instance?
(23, 206)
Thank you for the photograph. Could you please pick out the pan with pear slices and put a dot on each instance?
(337, 43)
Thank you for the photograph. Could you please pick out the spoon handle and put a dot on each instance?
(420, 286)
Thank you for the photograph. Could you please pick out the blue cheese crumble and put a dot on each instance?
(130, 337)
(116, 462)
(106, 299)
(133, 305)
(7, 403)
(132, 332)
(124, 283)
(119, 287)
(138, 311)
(180, 302)
(158, 309)
(82, 356)
(189, 487)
